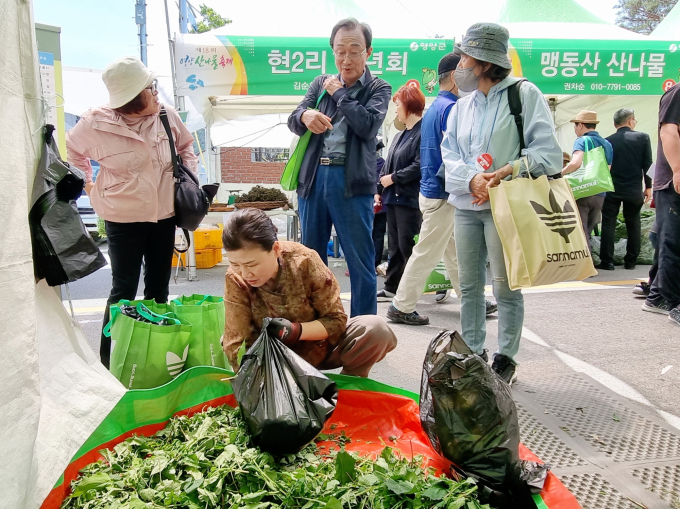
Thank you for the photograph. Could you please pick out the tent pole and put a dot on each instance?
(172, 55)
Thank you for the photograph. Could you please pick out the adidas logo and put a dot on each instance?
(560, 220)
(175, 364)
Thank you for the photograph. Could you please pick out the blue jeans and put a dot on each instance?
(326, 206)
(476, 239)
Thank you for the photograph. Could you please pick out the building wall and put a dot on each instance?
(238, 168)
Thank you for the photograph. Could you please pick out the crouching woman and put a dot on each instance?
(288, 282)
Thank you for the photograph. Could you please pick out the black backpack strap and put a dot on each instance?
(515, 103)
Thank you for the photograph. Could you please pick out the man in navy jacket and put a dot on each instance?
(337, 178)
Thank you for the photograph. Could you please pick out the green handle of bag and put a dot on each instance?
(154, 317)
(114, 310)
(176, 301)
(289, 177)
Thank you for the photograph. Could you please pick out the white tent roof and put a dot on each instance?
(669, 28)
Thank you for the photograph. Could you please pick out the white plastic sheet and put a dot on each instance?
(54, 392)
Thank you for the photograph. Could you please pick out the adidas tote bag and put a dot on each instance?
(540, 229)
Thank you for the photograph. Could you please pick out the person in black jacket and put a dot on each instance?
(399, 187)
(337, 176)
(632, 159)
(380, 218)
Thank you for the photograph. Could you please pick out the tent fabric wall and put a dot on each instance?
(54, 390)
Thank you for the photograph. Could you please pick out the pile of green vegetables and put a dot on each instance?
(206, 461)
(260, 193)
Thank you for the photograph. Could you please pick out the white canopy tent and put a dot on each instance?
(55, 391)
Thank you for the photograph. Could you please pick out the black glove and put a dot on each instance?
(284, 330)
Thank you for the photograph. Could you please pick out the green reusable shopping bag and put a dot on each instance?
(206, 314)
(289, 177)
(146, 355)
(438, 278)
(593, 177)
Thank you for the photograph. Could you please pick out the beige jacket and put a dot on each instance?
(135, 181)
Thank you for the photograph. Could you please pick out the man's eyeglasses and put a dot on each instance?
(352, 55)
(153, 87)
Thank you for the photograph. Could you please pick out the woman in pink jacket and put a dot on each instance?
(134, 191)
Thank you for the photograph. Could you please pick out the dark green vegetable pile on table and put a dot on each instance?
(260, 193)
(205, 461)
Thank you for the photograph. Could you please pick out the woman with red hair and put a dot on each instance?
(399, 187)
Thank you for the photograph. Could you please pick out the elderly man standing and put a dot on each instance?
(632, 159)
(337, 177)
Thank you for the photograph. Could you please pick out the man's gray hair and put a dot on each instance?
(351, 24)
(622, 116)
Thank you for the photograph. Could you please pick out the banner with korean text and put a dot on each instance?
(607, 67)
(219, 65)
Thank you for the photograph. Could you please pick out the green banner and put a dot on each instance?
(238, 65)
(606, 67)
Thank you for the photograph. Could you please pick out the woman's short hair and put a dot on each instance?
(412, 99)
(249, 227)
(495, 72)
(137, 105)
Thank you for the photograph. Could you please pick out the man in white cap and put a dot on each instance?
(590, 207)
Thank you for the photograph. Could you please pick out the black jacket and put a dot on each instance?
(364, 116)
(403, 163)
(632, 159)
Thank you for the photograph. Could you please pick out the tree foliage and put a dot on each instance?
(642, 16)
(210, 20)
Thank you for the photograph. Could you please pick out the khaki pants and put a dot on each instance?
(436, 242)
(366, 341)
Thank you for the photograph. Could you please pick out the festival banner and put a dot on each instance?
(218, 65)
(606, 67)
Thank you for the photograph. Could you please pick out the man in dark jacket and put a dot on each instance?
(632, 159)
(337, 177)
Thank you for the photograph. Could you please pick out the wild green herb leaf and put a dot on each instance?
(344, 468)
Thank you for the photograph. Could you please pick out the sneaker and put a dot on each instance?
(491, 307)
(642, 289)
(484, 355)
(408, 318)
(441, 296)
(504, 368)
(674, 316)
(661, 306)
(385, 296)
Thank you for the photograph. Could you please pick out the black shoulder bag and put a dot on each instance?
(191, 200)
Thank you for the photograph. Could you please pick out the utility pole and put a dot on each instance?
(140, 19)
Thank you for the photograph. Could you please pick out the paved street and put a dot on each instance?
(594, 327)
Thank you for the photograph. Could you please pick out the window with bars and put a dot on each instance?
(269, 155)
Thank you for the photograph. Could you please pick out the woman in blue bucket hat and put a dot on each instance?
(481, 143)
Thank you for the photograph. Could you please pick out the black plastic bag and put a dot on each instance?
(284, 400)
(470, 417)
(63, 251)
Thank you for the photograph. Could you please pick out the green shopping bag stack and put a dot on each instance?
(146, 355)
(206, 314)
(185, 333)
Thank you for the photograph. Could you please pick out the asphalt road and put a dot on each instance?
(595, 327)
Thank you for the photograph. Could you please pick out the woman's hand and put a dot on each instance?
(284, 330)
(88, 188)
(498, 175)
(478, 187)
(377, 200)
(386, 181)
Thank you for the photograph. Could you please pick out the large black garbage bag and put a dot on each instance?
(470, 418)
(284, 400)
(63, 251)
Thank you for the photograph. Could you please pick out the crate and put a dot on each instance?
(208, 237)
(205, 258)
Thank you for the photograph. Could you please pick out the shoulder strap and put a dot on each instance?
(175, 163)
(515, 103)
(164, 119)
